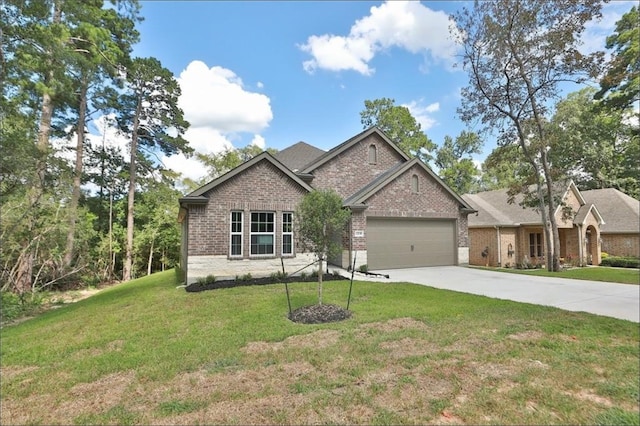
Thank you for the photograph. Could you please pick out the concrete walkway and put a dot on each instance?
(608, 299)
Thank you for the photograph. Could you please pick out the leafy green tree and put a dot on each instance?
(456, 170)
(150, 114)
(320, 222)
(53, 56)
(101, 43)
(33, 46)
(401, 127)
(597, 147)
(220, 163)
(505, 167)
(516, 53)
(620, 85)
(158, 233)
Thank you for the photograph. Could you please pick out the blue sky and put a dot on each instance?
(275, 73)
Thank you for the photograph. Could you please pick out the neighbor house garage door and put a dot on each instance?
(405, 243)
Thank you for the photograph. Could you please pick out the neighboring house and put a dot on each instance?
(509, 235)
(403, 215)
(620, 233)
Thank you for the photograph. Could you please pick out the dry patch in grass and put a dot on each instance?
(11, 371)
(407, 347)
(410, 376)
(318, 339)
(589, 396)
(526, 335)
(394, 325)
(83, 398)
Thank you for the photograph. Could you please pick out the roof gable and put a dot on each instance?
(357, 199)
(494, 208)
(583, 213)
(199, 194)
(620, 211)
(329, 155)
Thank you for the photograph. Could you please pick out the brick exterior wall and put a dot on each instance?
(621, 244)
(350, 171)
(263, 187)
(432, 201)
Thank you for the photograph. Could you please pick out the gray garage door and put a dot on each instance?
(406, 243)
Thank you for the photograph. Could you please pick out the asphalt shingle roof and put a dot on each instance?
(621, 213)
(494, 210)
(298, 155)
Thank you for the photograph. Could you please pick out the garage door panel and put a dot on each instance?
(405, 243)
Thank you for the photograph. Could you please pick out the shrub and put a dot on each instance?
(279, 276)
(13, 307)
(621, 261)
(209, 279)
(364, 268)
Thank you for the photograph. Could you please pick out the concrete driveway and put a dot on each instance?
(608, 299)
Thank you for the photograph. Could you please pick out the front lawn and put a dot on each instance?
(146, 352)
(599, 273)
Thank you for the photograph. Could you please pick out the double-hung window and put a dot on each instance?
(535, 245)
(287, 233)
(236, 234)
(262, 233)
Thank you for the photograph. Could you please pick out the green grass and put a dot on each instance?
(146, 352)
(601, 273)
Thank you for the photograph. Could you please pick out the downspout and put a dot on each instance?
(499, 246)
(580, 250)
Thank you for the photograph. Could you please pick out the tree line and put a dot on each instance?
(64, 64)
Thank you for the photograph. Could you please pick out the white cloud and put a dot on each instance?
(597, 30)
(422, 113)
(258, 141)
(203, 140)
(219, 108)
(215, 97)
(404, 24)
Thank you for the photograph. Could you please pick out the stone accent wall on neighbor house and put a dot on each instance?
(262, 187)
(621, 244)
(350, 171)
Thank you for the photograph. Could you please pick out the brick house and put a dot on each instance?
(402, 214)
(620, 233)
(509, 235)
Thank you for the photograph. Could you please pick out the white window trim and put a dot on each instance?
(287, 233)
(241, 233)
(273, 235)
